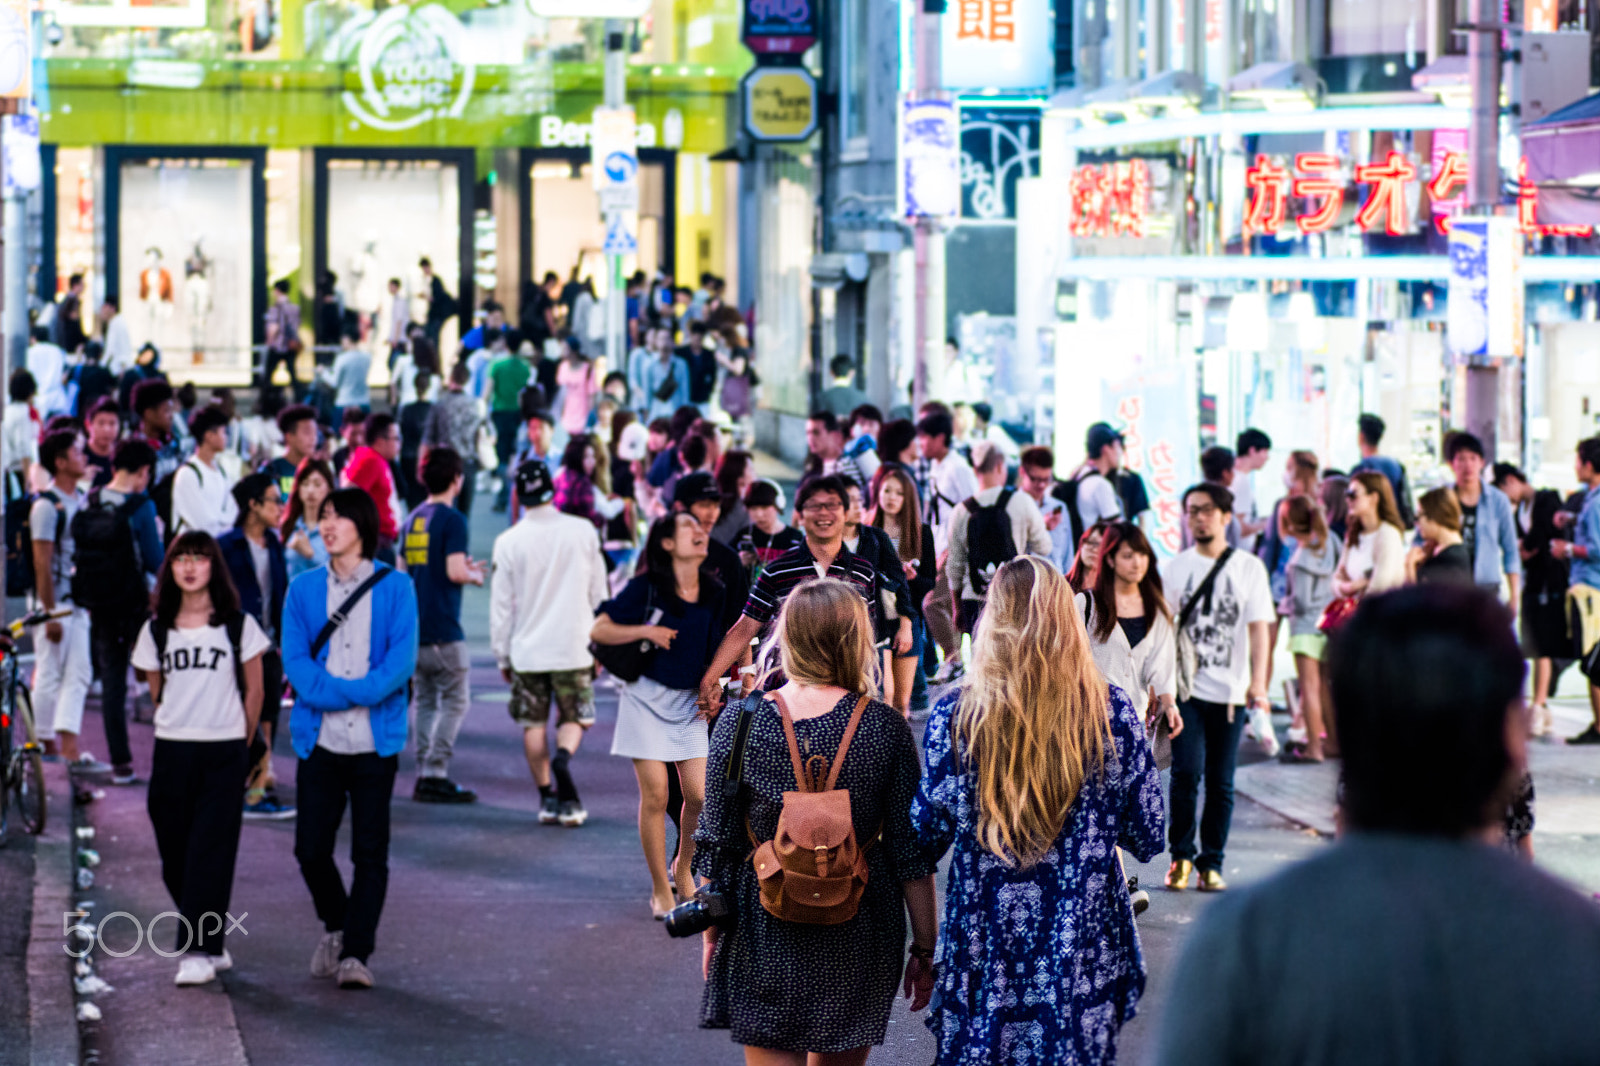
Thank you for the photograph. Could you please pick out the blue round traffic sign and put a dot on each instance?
(621, 167)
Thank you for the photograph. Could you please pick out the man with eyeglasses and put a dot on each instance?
(820, 503)
(1223, 602)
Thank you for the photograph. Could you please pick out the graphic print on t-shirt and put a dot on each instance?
(1215, 630)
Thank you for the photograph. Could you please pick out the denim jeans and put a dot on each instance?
(1208, 745)
(324, 784)
(441, 704)
(919, 648)
(508, 440)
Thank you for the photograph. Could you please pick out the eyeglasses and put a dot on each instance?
(820, 508)
(1352, 494)
(1205, 510)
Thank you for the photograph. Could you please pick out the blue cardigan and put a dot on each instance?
(393, 661)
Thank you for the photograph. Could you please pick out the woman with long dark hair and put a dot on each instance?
(580, 483)
(1375, 554)
(735, 474)
(1130, 625)
(1037, 771)
(201, 656)
(897, 510)
(675, 605)
(1086, 563)
(301, 530)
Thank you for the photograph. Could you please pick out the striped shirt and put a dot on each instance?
(797, 566)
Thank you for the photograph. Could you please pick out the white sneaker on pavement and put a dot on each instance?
(353, 973)
(221, 963)
(572, 814)
(195, 970)
(325, 960)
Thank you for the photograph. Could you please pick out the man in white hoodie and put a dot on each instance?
(549, 578)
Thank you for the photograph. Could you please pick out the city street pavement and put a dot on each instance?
(502, 941)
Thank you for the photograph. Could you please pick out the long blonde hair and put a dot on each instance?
(824, 637)
(1034, 718)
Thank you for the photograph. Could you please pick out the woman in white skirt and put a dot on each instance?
(676, 606)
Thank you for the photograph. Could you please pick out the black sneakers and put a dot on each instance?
(441, 790)
(1588, 736)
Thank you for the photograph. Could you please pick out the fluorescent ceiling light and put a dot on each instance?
(1281, 86)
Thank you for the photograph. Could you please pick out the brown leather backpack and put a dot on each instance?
(813, 871)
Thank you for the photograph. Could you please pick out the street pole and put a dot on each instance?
(1481, 404)
(616, 90)
(928, 376)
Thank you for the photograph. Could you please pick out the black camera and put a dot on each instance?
(710, 906)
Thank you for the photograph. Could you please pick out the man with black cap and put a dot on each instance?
(697, 494)
(1089, 493)
(549, 577)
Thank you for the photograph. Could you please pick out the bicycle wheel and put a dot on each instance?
(27, 764)
(5, 769)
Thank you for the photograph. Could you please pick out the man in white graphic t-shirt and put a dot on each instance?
(1223, 603)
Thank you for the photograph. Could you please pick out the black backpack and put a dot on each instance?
(161, 495)
(20, 578)
(1067, 492)
(107, 575)
(989, 542)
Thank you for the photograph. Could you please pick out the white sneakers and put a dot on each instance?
(198, 969)
(325, 960)
(353, 973)
(1541, 723)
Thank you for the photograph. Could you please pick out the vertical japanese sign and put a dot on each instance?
(1485, 315)
(1153, 411)
(930, 159)
(997, 44)
(16, 50)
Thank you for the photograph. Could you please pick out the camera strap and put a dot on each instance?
(741, 735)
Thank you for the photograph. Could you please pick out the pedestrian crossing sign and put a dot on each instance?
(619, 241)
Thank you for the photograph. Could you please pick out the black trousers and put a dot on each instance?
(111, 639)
(325, 783)
(196, 805)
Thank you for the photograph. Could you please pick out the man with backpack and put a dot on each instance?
(1089, 494)
(152, 404)
(61, 670)
(202, 497)
(949, 481)
(117, 554)
(255, 559)
(990, 528)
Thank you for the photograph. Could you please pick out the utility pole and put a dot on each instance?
(928, 376)
(616, 88)
(1482, 401)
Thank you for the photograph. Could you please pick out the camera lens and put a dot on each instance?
(687, 919)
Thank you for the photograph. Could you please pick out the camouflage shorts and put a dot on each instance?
(571, 689)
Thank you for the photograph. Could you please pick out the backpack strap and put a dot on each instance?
(234, 624)
(794, 745)
(61, 528)
(741, 737)
(844, 742)
(338, 617)
(158, 634)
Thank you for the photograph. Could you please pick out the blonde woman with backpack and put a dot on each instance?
(819, 873)
(1038, 770)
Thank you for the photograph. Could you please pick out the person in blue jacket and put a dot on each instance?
(348, 724)
(256, 563)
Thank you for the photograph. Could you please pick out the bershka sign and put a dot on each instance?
(557, 132)
(780, 27)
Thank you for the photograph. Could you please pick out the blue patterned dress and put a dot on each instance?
(1040, 966)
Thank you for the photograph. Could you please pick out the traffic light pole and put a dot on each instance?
(1482, 401)
(616, 90)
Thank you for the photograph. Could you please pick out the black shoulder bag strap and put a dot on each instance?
(337, 618)
(1204, 591)
(741, 736)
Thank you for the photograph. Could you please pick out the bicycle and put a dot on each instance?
(21, 754)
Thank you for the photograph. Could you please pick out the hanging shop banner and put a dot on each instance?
(414, 67)
(19, 151)
(999, 146)
(1485, 315)
(929, 183)
(590, 9)
(1152, 410)
(138, 13)
(997, 44)
(780, 27)
(16, 50)
(780, 103)
(614, 158)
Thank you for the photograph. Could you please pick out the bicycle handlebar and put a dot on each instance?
(36, 618)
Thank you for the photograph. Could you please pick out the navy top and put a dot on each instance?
(699, 627)
(433, 533)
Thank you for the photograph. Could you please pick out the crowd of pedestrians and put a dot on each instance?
(770, 675)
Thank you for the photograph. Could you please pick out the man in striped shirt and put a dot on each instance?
(820, 504)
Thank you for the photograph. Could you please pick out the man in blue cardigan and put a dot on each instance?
(348, 725)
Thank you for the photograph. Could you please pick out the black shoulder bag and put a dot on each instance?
(627, 662)
(339, 617)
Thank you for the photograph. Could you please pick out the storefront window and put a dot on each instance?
(785, 208)
(77, 199)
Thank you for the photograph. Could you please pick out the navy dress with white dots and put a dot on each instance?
(790, 986)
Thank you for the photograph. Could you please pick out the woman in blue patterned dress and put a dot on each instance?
(1036, 770)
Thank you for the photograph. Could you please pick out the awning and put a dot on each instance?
(1564, 149)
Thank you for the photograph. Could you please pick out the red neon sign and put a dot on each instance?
(1320, 165)
(1267, 206)
(1388, 194)
(1111, 199)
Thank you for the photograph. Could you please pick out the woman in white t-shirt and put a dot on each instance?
(202, 658)
(1375, 552)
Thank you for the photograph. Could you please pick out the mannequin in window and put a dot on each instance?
(155, 293)
(366, 285)
(197, 297)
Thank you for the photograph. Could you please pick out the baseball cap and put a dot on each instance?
(1100, 435)
(695, 488)
(634, 443)
(534, 483)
